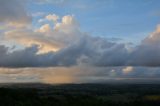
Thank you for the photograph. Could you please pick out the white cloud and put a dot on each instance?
(41, 20)
(127, 69)
(44, 29)
(48, 38)
(154, 37)
(29, 38)
(52, 17)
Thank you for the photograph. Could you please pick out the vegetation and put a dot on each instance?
(80, 95)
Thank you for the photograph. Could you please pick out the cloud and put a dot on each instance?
(18, 75)
(44, 29)
(29, 38)
(81, 53)
(52, 17)
(47, 38)
(148, 52)
(127, 70)
(79, 74)
(154, 38)
(64, 44)
(13, 13)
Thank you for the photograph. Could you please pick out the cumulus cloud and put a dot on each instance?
(44, 29)
(52, 17)
(29, 38)
(81, 53)
(148, 52)
(60, 36)
(66, 45)
(154, 38)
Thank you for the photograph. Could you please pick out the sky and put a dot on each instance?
(79, 41)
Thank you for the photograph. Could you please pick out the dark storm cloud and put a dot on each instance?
(146, 55)
(89, 50)
(85, 51)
